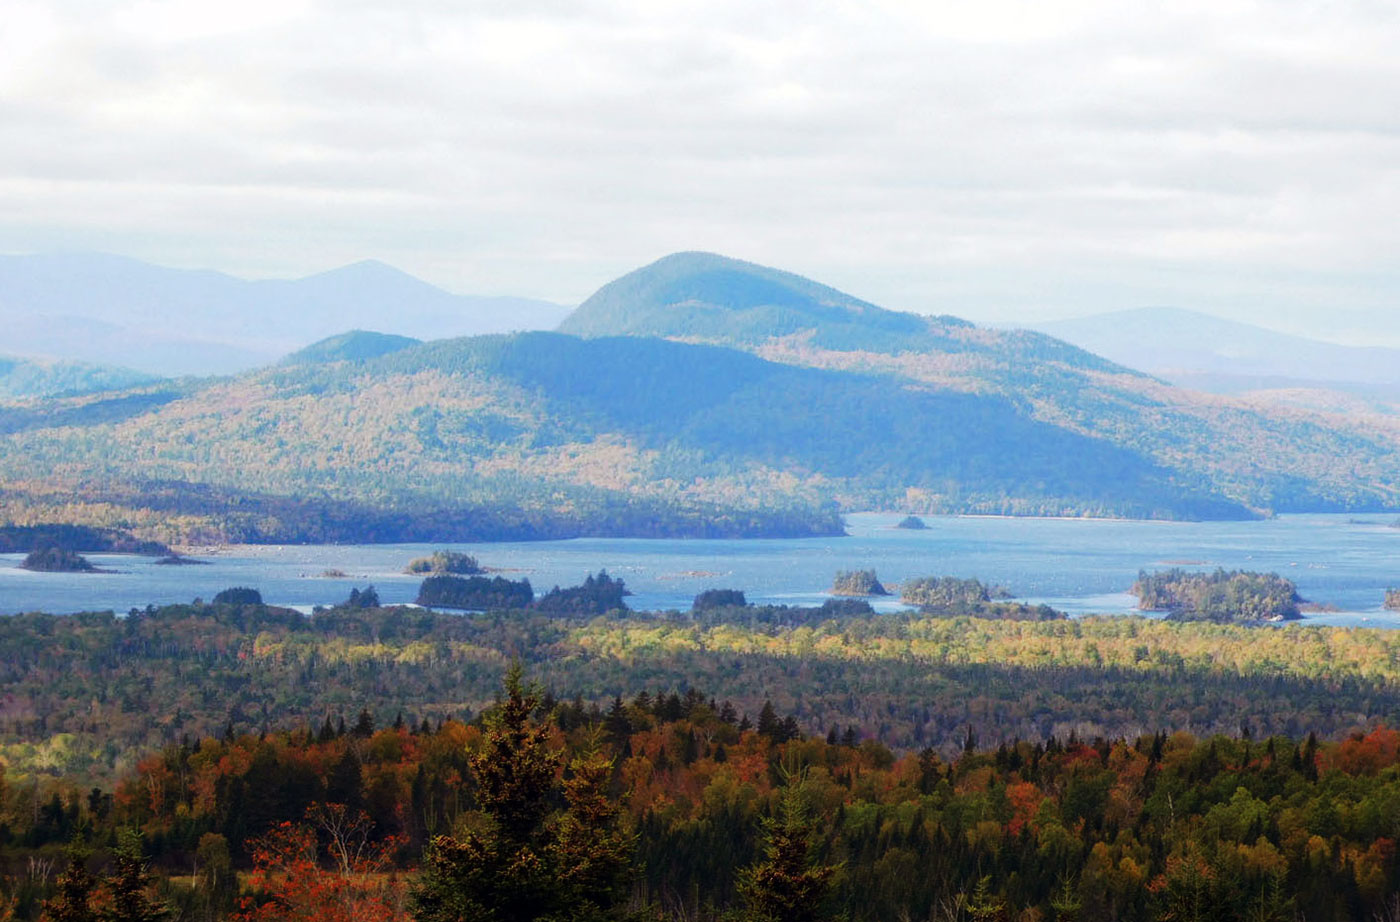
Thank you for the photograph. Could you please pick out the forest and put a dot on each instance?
(671, 805)
(81, 690)
(895, 765)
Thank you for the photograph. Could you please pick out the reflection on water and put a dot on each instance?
(1080, 565)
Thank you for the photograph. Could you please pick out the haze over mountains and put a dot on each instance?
(118, 311)
(20, 378)
(1224, 356)
(705, 395)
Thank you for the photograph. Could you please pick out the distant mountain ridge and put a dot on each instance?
(708, 397)
(1187, 345)
(177, 321)
(22, 378)
(1271, 458)
(713, 298)
(354, 346)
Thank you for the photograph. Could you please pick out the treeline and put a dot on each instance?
(85, 694)
(21, 539)
(677, 806)
(177, 512)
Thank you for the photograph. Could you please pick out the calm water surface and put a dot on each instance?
(1083, 566)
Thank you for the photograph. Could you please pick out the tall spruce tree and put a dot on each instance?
(129, 884)
(72, 900)
(786, 885)
(593, 851)
(520, 865)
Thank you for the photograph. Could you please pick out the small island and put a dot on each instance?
(712, 599)
(57, 560)
(597, 595)
(1233, 596)
(238, 596)
(857, 583)
(178, 560)
(912, 522)
(949, 596)
(443, 563)
(1392, 599)
(475, 593)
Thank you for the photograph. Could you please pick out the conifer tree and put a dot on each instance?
(785, 885)
(594, 854)
(983, 905)
(1066, 902)
(129, 883)
(502, 872)
(72, 900)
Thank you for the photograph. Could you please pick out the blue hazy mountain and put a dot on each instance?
(21, 378)
(354, 346)
(115, 310)
(713, 298)
(1265, 456)
(802, 402)
(1223, 355)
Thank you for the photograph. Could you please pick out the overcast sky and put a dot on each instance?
(996, 160)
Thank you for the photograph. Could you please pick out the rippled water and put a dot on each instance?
(1080, 565)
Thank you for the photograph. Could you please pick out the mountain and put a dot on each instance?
(112, 309)
(543, 434)
(711, 298)
(21, 378)
(1259, 453)
(355, 346)
(1224, 355)
(801, 403)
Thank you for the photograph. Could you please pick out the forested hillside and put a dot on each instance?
(563, 435)
(1265, 457)
(23, 378)
(805, 403)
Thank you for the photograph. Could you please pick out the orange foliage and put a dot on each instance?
(294, 884)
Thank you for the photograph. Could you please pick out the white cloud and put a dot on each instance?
(994, 159)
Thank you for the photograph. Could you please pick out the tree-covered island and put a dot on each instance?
(1222, 595)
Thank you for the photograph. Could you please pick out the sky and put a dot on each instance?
(1002, 161)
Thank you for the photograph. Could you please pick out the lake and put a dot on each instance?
(1082, 566)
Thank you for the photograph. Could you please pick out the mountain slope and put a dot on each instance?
(1265, 456)
(176, 321)
(716, 299)
(21, 378)
(542, 434)
(355, 346)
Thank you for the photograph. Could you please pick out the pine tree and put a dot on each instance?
(72, 900)
(1273, 904)
(593, 853)
(1066, 902)
(768, 724)
(129, 883)
(785, 885)
(504, 872)
(983, 905)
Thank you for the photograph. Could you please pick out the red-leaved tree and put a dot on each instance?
(291, 881)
